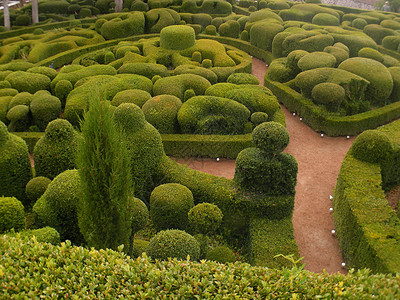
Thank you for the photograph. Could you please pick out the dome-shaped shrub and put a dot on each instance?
(270, 137)
(258, 117)
(359, 23)
(57, 207)
(325, 19)
(11, 214)
(339, 53)
(55, 152)
(135, 96)
(28, 82)
(62, 90)
(36, 187)
(316, 60)
(19, 118)
(210, 30)
(331, 95)
(371, 53)
(293, 58)
(15, 165)
(23, 98)
(139, 214)
(138, 247)
(47, 71)
(161, 112)
(203, 72)
(173, 244)
(44, 108)
(371, 146)
(177, 37)
(42, 235)
(205, 218)
(243, 78)
(169, 206)
(221, 254)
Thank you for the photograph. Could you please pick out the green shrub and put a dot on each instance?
(123, 25)
(230, 28)
(4, 101)
(210, 30)
(316, 60)
(55, 152)
(310, 42)
(36, 187)
(161, 112)
(178, 84)
(8, 92)
(331, 95)
(5, 84)
(23, 20)
(206, 63)
(221, 254)
(354, 42)
(263, 33)
(148, 70)
(135, 96)
(258, 117)
(49, 72)
(62, 90)
(205, 218)
(381, 82)
(44, 109)
(203, 72)
(17, 66)
(157, 19)
(279, 70)
(391, 42)
(173, 244)
(389, 61)
(139, 214)
(371, 146)
(220, 89)
(177, 37)
(395, 72)
(169, 206)
(212, 115)
(359, 23)
(85, 12)
(325, 19)
(270, 137)
(12, 214)
(15, 165)
(243, 78)
(139, 6)
(391, 24)
(42, 235)
(339, 53)
(371, 53)
(139, 247)
(19, 118)
(377, 32)
(28, 82)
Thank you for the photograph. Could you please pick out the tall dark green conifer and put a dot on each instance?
(104, 172)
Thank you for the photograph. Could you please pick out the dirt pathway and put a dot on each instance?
(319, 160)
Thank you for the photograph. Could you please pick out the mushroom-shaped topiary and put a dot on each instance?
(55, 152)
(173, 244)
(270, 137)
(205, 218)
(36, 187)
(177, 37)
(371, 146)
(169, 206)
(221, 254)
(11, 214)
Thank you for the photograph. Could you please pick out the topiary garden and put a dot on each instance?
(102, 96)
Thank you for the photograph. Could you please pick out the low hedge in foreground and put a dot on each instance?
(40, 270)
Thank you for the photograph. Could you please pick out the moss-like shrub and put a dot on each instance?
(339, 53)
(11, 214)
(377, 32)
(139, 214)
(123, 25)
(62, 90)
(23, 98)
(230, 28)
(243, 78)
(23, 20)
(212, 115)
(161, 112)
(258, 117)
(207, 63)
(395, 72)
(36, 187)
(57, 207)
(270, 137)
(55, 151)
(49, 72)
(139, 247)
(158, 18)
(325, 19)
(169, 206)
(205, 218)
(359, 23)
(391, 42)
(307, 41)
(173, 244)
(5, 84)
(389, 61)
(177, 37)
(371, 53)
(203, 72)
(316, 60)
(263, 33)
(135, 96)
(44, 109)
(371, 146)
(331, 95)
(210, 30)
(381, 82)
(279, 71)
(148, 70)
(15, 165)
(28, 82)
(220, 89)
(42, 235)
(221, 254)
(19, 118)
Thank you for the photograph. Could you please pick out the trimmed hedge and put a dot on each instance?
(11, 214)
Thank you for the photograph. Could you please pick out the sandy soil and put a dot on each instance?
(319, 160)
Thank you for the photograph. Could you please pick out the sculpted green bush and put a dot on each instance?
(135, 96)
(203, 72)
(377, 32)
(28, 82)
(177, 37)
(36, 187)
(205, 218)
(158, 18)
(148, 70)
(44, 108)
(42, 235)
(316, 60)
(122, 25)
(331, 95)
(371, 146)
(11, 214)
(19, 118)
(139, 214)
(243, 78)
(221, 254)
(325, 19)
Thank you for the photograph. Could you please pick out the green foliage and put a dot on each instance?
(391, 42)
(139, 214)
(371, 146)
(221, 254)
(339, 53)
(41, 235)
(203, 72)
(28, 82)
(135, 96)
(270, 137)
(36, 187)
(19, 118)
(210, 30)
(105, 177)
(44, 108)
(173, 244)
(15, 165)
(205, 218)
(371, 53)
(177, 37)
(279, 70)
(158, 18)
(316, 60)
(139, 247)
(325, 19)
(243, 78)
(23, 20)
(263, 33)
(122, 25)
(230, 28)
(212, 115)
(148, 70)
(57, 207)
(359, 23)
(377, 32)
(258, 117)
(161, 112)
(12, 214)
(49, 72)
(331, 95)
(62, 90)
(169, 206)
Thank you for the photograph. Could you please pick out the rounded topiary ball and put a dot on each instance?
(371, 53)
(135, 96)
(62, 90)
(139, 247)
(11, 214)
(270, 137)
(205, 218)
(173, 244)
(371, 146)
(139, 214)
(36, 188)
(258, 117)
(243, 78)
(359, 23)
(169, 206)
(221, 254)
(328, 94)
(177, 37)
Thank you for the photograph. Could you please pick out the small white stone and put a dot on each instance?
(217, 158)
(293, 114)
(331, 209)
(322, 135)
(343, 265)
(301, 119)
(330, 197)
(333, 231)
(347, 137)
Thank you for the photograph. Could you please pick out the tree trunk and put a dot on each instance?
(6, 15)
(35, 12)
(118, 5)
